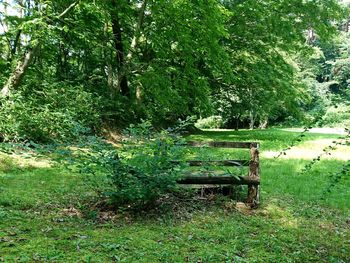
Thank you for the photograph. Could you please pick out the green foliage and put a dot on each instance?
(326, 76)
(264, 46)
(212, 122)
(146, 170)
(336, 117)
(236, 59)
(61, 112)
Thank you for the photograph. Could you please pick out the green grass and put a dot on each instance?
(283, 175)
(47, 214)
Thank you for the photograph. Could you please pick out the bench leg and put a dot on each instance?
(254, 172)
(253, 196)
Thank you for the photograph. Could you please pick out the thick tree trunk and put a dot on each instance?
(21, 69)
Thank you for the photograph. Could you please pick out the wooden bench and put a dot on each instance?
(209, 178)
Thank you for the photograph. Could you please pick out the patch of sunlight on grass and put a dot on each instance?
(340, 131)
(311, 149)
(282, 216)
(15, 161)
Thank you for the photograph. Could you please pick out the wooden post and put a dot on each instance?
(254, 173)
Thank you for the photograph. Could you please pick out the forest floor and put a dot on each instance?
(47, 213)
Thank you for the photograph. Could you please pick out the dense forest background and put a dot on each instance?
(70, 68)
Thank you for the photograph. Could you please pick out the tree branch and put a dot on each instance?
(67, 10)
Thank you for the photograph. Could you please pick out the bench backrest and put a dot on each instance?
(223, 144)
(253, 178)
(253, 162)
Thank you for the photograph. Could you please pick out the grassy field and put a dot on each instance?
(49, 214)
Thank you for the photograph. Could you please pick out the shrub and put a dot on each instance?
(337, 117)
(138, 173)
(146, 169)
(59, 112)
(212, 122)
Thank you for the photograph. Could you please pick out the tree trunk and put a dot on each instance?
(311, 37)
(108, 67)
(21, 69)
(125, 69)
(238, 117)
(138, 27)
(251, 120)
(119, 48)
(16, 43)
(22, 66)
(346, 26)
(263, 123)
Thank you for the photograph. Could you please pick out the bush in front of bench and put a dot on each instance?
(145, 169)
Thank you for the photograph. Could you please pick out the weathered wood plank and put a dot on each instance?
(223, 144)
(239, 180)
(217, 162)
(215, 178)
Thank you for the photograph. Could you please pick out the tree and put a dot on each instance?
(264, 40)
(163, 60)
(22, 66)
